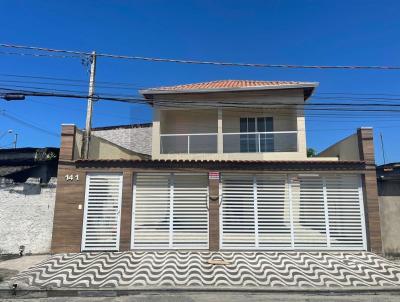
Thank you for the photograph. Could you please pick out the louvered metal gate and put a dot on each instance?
(264, 211)
(170, 211)
(102, 212)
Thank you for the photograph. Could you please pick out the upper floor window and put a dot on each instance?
(261, 140)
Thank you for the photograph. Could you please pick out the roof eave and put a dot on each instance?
(309, 87)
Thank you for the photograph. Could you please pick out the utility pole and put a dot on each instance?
(383, 149)
(15, 140)
(86, 137)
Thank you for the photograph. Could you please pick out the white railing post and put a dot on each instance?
(220, 136)
(188, 144)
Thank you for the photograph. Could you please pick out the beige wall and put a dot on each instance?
(100, 148)
(389, 209)
(346, 149)
(169, 120)
(189, 121)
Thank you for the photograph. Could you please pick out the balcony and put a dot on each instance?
(243, 142)
(189, 143)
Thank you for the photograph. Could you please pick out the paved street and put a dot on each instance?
(228, 297)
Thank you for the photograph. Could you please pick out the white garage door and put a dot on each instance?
(102, 213)
(170, 211)
(264, 211)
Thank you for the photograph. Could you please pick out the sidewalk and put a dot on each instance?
(243, 271)
(9, 268)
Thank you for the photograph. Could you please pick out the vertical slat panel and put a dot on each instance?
(170, 211)
(102, 212)
(151, 211)
(237, 218)
(265, 211)
(273, 211)
(309, 212)
(345, 211)
(190, 215)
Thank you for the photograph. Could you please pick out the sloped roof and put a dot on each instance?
(230, 85)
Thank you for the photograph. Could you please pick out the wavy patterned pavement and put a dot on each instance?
(181, 269)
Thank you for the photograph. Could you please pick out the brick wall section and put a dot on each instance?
(67, 142)
(126, 212)
(68, 218)
(370, 189)
(213, 217)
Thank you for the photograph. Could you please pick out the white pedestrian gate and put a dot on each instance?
(170, 211)
(101, 226)
(264, 211)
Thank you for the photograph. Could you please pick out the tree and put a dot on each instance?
(311, 152)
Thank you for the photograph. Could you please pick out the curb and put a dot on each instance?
(116, 292)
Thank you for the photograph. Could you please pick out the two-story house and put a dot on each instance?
(223, 166)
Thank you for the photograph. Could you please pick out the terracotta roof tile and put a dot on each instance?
(229, 84)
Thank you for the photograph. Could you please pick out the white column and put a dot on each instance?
(156, 134)
(220, 137)
(328, 234)
(301, 134)
(255, 210)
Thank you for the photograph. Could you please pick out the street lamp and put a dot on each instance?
(13, 97)
(6, 132)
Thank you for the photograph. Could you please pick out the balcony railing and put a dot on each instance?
(250, 142)
(188, 143)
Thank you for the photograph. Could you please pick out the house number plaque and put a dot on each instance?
(72, 177)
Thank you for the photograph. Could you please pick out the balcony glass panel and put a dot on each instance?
(188, 143)
(282, 141)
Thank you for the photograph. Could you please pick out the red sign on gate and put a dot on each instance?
(213, 175)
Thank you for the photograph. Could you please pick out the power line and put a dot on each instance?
(66, 79)
(198, 62)
(70, 84)
(36, 55)
(362, 99)
(312, 116)
(27, 124)
(134, 86)
(169, 103)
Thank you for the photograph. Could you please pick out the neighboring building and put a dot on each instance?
(389, 206)
(228, 170)
(23, 163)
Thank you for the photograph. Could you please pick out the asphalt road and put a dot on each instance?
(222, 297)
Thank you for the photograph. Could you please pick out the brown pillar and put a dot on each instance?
(68, 133)
(213, 213)
(370, 190)
(126, 212)
(68, 212)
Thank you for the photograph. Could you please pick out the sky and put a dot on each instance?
(271, 32)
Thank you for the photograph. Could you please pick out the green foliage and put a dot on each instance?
(311, 152)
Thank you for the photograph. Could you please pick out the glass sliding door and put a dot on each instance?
(259, 141)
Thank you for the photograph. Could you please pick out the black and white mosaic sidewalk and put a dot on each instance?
(173, 269)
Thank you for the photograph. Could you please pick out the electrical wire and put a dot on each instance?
(134, 86)
(64, 79)
(192, 104)
(72, 53)
(28, 124)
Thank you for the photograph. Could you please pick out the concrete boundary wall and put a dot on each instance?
(26, 217)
